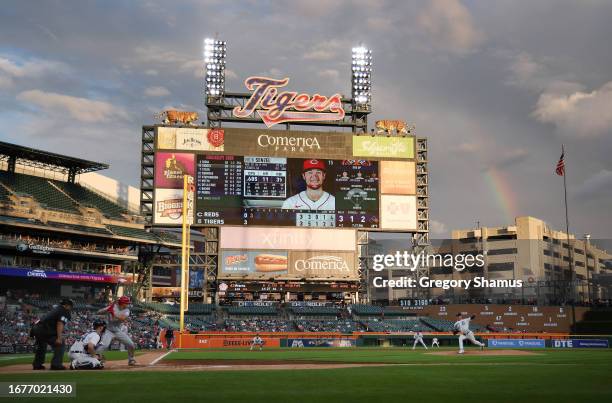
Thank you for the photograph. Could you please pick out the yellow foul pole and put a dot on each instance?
(188, 201)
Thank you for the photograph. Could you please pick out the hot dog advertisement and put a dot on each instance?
(280, 264)
(253, 263)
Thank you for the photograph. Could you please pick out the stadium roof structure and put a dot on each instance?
(31, 157)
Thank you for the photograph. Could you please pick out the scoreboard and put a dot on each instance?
(249, 177)
(248, 190)
(265, 177)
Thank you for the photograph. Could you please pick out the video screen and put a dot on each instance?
(235, 190)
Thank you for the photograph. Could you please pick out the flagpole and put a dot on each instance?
(569, 246)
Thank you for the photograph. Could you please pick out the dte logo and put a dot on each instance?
(563, 343)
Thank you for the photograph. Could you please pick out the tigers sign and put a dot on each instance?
(274, 106)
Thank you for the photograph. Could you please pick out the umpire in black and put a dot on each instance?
(169, 337)
(49, 331)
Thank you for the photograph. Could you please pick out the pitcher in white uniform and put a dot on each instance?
(83, 352)
(462, 327)
(116, 314)
(314, 197)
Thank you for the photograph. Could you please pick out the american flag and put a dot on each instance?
(560, 170)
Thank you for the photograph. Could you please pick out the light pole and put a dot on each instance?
(587, 243)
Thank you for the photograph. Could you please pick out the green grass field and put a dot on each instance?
(552, 376)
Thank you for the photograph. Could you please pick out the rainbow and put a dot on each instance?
(504, 196)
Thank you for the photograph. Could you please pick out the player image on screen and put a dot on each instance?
(314, 197)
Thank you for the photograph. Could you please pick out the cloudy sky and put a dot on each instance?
(497, 87)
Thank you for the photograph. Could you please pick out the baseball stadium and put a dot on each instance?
(245, 267)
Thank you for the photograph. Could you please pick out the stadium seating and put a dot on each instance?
(258, 325)
(8, 219)
(160, 307)
(40, 189)
(342, 326)
(200, 309)
(395, 311)
(168, 236)
(4, 194)
(440, 325)
(314, 310)
(132, 232)
(46, 302)
(252, 310)
(365, 310)
(89, 198)
(82, 228)
(396, 325)
(167, 309)
(192, 322)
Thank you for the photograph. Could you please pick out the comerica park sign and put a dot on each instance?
(275, 106)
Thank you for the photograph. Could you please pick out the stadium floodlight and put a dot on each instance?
(214, 62)
(361, 69)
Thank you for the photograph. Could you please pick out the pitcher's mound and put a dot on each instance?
(486, 352)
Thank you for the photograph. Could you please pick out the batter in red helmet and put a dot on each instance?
(314, 197)
(115, 315)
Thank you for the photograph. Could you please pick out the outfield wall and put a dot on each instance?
(358, 339)
(525, 318)
(238, 340)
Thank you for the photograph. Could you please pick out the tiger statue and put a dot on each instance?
(173, 117)
(390, 125)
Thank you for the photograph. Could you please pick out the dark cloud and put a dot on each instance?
(494, 86)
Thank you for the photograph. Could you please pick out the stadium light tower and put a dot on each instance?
(214, 62)
(362, 78)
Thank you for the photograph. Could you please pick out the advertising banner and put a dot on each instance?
(253, 263)
(60, 275)
(516, 343)
(287, 238)
(593, 343)
(323, 265)
(171, 167)
(190, 139)
(398, 212)
(398, 177)
(203, 341)
(383, 147)
(300, 343)
(580, 343)
(168, 206)
(276, 143)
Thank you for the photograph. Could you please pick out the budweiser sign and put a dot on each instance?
(288, 106)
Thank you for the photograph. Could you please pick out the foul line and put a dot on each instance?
(158, 359)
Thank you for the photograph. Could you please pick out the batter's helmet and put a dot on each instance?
(98, 323)
(124, 300)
